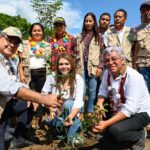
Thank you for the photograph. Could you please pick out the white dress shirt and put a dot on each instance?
(50, 87)
(135, 92)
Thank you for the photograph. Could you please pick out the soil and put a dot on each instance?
(45, 143)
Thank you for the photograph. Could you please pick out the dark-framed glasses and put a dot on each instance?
(113, 60)
(11, 39)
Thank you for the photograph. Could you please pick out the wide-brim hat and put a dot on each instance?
(13, 31)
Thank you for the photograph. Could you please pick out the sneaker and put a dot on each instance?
(9, 133)
(140, 144)
(77, 142)
(19, 143)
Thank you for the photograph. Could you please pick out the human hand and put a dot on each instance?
(98, 72)
(100, 127)
(61, 102)
(99, 112)
(23, 79)
(50, 100)
(35, 106)
(52, 113)
(68, 121)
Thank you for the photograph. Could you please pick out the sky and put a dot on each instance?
(74, 11)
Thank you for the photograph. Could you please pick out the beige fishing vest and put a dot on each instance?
(143, 38)
(93, 57)
(128, 40)
(26, 58)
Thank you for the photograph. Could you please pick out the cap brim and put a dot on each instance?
(59, 23)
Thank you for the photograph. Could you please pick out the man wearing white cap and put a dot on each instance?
(14, 91)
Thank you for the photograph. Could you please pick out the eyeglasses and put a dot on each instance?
(11, 40)
(113, 59)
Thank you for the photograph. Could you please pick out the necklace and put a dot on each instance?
(119, 95)
(60, 47)
(37, 48)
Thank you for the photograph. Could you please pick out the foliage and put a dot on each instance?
(17, 21)
(87, 123)
(46, 10)
(22, 24)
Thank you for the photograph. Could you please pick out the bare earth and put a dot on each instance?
(46, 144)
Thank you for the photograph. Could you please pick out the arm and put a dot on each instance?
(135, 55)
(20, 69)
(29, 95)
(78, 102)
(102, 125)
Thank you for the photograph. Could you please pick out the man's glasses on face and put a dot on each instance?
(11, 40)
(113, 60)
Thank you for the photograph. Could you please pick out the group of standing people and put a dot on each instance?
(62, 68)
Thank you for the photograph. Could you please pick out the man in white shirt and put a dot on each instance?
(14, 91)
(128, 97)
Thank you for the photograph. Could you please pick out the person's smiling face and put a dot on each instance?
(8, 45)
(89, 23)
(114, 63)
(64, 66)
(37, 33)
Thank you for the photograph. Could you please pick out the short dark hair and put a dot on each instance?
(122, 10)
(105, 13)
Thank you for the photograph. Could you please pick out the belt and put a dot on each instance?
(39, 70)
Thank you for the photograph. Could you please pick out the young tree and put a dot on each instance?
(46, 10)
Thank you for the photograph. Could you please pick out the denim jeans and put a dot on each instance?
(145, 71)
(59, 121)
(91, 85)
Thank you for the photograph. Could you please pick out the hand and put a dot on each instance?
(50, 100)
(35, 106)
(135, 66)
(52, 113)
(98, 72)
(61, 102)
(100, 127)
(101, 107)
(68, 122)
(23, 79)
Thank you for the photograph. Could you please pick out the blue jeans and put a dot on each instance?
(92, 84)
(145, 71)
(58, 122)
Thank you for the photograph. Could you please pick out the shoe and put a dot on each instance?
(19, 143)
(8, 136)
(9, 133)
(77, 142)
(140, 144)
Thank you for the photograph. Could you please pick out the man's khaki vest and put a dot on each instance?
(26, 58)
(93, 57)
(128, 40)
(143, 38)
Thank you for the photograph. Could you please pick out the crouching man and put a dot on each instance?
(10, 87)
(128, 97)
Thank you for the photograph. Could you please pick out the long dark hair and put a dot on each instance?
(95, 28)
(36, 24)
(61, 79)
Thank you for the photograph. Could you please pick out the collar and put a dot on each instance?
(120, 31)
(121, 75)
